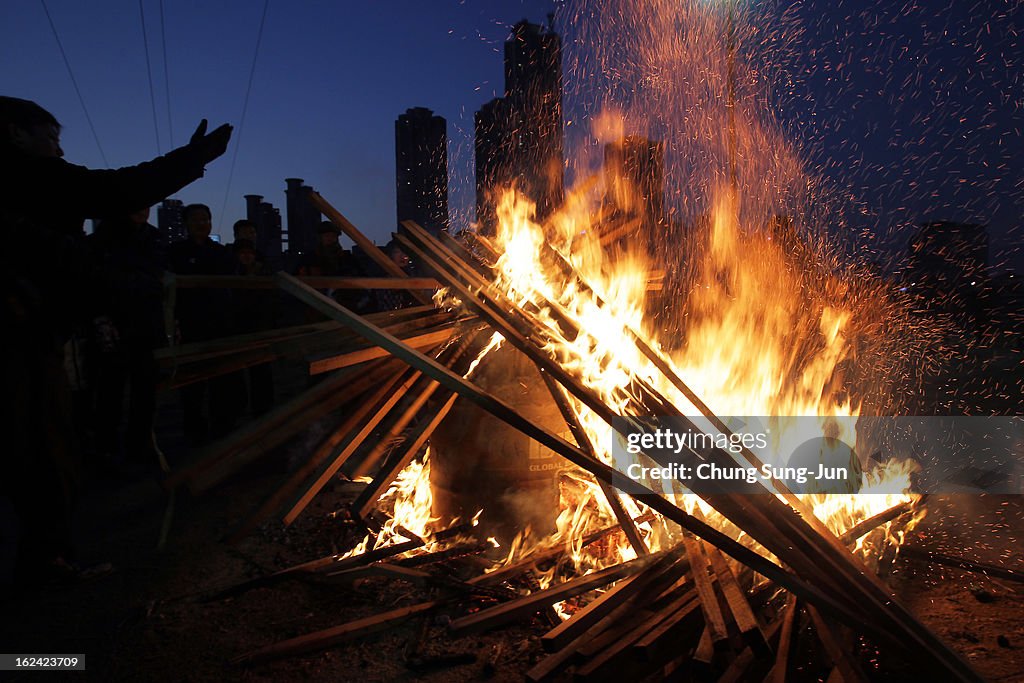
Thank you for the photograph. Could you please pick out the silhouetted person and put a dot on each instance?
(129, 252)
(330, 259)
(49, 285)
(203, 314)
(252, 312)
(393, 299)
(245, 230)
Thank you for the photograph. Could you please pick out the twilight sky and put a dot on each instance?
(914, 109)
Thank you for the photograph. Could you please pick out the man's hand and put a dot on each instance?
(213, 145)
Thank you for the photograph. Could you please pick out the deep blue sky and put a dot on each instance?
(914, 109)
(331, 78)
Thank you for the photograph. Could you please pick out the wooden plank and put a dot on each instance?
(864, 527)
(274, 502)
(326, 402)
(577, 624)
(317, 282)
(238, 342)
(619, 231)
(219, 357)
(787, 642)
(418, 341)
(841, 659)
(283, 342)
(752, 631)
(404, 456)
(530, 604)
(614, 660)
(583, 441)
(549, 554)
(633, 619)
(713, 616)
(368, 247)
(319, 640)
(287, 413)
(331, 466)
(199, 371)
(739, 669)
(664, 634)
(671, 621)
(704, 655)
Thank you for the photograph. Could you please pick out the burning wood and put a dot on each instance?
(665, 595)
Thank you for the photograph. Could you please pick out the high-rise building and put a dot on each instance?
(169, 223)
(303, 217)
(634, 171)
(268, 225)
(421, 169)
(948, 267)
(949, 253)
(519, 136)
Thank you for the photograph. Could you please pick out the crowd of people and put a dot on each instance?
(56, 283)
(83, 314)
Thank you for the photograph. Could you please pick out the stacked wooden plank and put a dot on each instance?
(687, 608)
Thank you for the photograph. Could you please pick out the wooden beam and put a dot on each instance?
(787, 641)
(578, 623)
(841, 659)
(326, 471)
(424, 340)
(583, 441)
(238, 342)
(739, 669)
(317, 282)
(335, 635)
(288, 417)
(196, 362)
(333, 440)
(751, 629)
(530, 604)
(403, 457)
(713, 617)
(368, 247)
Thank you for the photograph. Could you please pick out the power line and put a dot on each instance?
(167, 78)
(149, 76)
(78, 92)
(245, 107)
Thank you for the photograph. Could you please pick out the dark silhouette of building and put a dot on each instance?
(634, 171)
(421, 169)
(268, 225)
(947, 265)
(519, 136)
(303, 218)
(169, 224)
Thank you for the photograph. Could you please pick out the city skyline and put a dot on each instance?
(912, 110)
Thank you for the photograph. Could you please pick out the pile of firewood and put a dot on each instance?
(689, 608)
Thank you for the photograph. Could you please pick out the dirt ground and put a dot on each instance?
(147, 620)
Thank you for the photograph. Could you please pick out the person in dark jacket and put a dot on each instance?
(330, 259)
(210, 406)
(50, 284)
(253, 311)
(129, 253)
